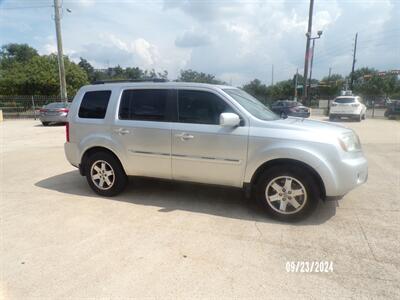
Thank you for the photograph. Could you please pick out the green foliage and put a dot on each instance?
(119, 73)
(267, 94)
(330, 87)
(373, 86)
(17, 52)
(194, 76)
(37, 75)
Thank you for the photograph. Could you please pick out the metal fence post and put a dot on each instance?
(34, 108)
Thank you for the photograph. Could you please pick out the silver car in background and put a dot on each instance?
(210, 134)
(55, 112)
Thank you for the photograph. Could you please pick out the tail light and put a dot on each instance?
(42, 110)
(333, 104)
(294, 109)
(355, 104)
(66, 110)
(67, 131)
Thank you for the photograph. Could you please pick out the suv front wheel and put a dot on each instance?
(287, 193)
(105, 174)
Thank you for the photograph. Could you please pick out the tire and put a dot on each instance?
(364, 117)
(283, 115)
(301, 181)
(359, 118)
(331, 118)
(104, 174)
(45, 123)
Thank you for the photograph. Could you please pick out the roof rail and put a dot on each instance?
(130, 80)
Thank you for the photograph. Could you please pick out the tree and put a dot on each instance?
(39, 76)
(17, 52)
(257, 89)
(194, 76)
(88, 68)
(330, 87)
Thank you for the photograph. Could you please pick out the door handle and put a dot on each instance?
(121, 131)
(184, 136)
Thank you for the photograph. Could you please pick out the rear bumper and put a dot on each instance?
(300, 114)
(348, 115)
(72, 154)
(54, 119)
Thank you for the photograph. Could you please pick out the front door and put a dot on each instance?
(143, 129)
(202, 150)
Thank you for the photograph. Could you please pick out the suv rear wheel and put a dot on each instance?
(105, 174)
(287, 193)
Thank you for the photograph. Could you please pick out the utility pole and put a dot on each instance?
(312, 62)
(329, 83)
(272, 75)
(354, 62)
(61, 68)
(295, 84)
(308, 35)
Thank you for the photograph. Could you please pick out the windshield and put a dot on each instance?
(252, 105)
(345, 100)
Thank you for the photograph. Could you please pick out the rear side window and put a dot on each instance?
(200, 107)
(345, 100)
(145, 105)
(94, 105)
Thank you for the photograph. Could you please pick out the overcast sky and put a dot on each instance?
(235, 40)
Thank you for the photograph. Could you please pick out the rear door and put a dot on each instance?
(202, 150)
(143, 128)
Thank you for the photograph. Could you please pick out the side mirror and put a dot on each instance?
(229, 120)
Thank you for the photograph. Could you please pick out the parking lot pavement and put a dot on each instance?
(178, 240)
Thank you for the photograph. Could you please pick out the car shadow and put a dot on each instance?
(50, 125)
(175, 195)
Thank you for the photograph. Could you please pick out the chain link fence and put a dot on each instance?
(25, 106)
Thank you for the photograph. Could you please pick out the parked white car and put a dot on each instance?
(349, 107)
(210, 134)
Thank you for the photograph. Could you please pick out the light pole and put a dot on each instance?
(319, 33)
(307, 55)
(61, 68)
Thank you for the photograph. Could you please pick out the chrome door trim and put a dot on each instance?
(209, 159)
(147, 153)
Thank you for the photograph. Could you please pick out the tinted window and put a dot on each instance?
(94, 104)
(149, 105)
(345, 100)
(200, 107)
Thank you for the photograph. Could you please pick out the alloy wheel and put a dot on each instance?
(102, 175)
(286, 195)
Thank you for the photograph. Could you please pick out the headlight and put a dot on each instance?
(350, 142)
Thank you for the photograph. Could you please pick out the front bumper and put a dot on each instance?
(350, 173)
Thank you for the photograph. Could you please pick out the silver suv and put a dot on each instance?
(210, 134)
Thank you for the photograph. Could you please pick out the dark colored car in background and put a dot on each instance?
(55, 112)
(286, 108)
(392, 109)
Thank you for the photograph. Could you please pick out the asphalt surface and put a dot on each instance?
(162, 239)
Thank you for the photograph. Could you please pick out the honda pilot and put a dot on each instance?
(211, 134)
